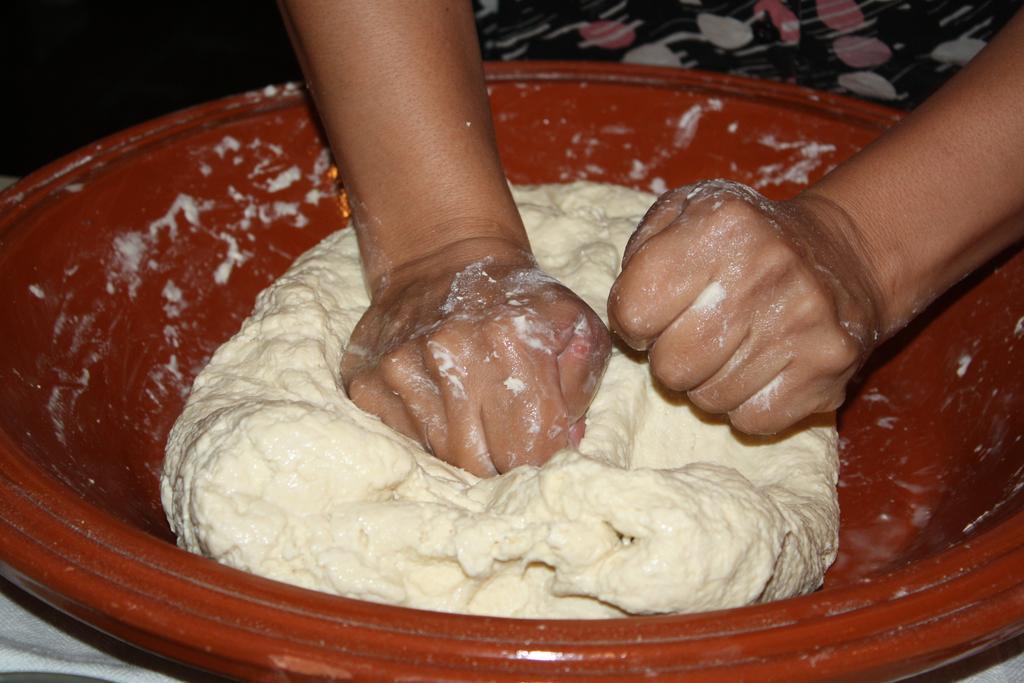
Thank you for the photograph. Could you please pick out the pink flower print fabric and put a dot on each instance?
(609, 35)
(897, 52)
(782, 18)
(861, 52)
(841, 15)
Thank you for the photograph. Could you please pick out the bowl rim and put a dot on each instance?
(72, 554)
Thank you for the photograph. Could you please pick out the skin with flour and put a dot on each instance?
(399, 87)
(273, 469)
(262, 472)
(805, 289)
(812, 285)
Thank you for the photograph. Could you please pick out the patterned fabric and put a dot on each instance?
(893, 52)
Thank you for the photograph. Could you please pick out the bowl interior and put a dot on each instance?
(124, 267)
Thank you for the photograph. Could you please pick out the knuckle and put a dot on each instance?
(838, 354)
(816, 304)
(398, 364)
(803, 314)
(447, 338)
(738, 209)
(833, 400)
(777, 258)
(497, 331)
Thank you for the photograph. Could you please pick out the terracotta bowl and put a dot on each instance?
(123, 266)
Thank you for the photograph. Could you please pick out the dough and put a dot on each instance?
(271, 469)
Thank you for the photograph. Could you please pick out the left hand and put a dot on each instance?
(489, 363)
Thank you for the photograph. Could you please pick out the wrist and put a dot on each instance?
(901, 285)
(450, 255)
(860, 276)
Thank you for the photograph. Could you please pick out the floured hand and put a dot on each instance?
(759, 309)
(487, 361)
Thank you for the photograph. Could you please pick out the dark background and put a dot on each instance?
(73, 71)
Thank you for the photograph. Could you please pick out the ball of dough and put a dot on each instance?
(271, 469)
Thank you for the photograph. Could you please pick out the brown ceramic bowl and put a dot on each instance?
(124, 265)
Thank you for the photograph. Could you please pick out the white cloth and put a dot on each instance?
(36, 637)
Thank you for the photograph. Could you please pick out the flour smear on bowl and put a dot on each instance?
(271, 469)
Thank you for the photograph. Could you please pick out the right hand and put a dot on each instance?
(756, 309)
(485, 360)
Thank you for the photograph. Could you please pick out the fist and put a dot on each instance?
(756, 309)
(488, 365)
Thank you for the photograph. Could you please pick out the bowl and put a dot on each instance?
(124, 265)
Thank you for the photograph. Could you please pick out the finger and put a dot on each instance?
(743, 375)
(524, 416)
(767, 410)
(788, 398)
(696, 346)
(526, 429)
(815, 381)
(369, 391)
(467, 440)
(582, 362)
(404, 371)
(663, 279)
(466, 445)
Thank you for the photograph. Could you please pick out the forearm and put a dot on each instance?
(399, 87)
(944, 191)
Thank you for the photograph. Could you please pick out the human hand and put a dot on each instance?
(485, 360)
(762, 310)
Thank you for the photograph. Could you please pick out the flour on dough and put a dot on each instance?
(271, 469)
